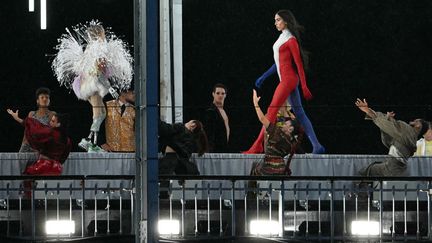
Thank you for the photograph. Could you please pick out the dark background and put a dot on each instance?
(359, 48)
(25, 66)
(379, 50)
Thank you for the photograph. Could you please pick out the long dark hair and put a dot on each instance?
(296, 29)
(63, 119)
(200, 137)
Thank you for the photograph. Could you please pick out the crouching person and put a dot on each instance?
(398, 136)
(177, 142)
(51, 142)
(281, 141)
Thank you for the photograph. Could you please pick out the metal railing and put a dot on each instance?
(95, 202)
(316, 207)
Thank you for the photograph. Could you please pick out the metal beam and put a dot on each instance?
(146, 55)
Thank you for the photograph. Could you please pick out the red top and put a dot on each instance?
(288, 61)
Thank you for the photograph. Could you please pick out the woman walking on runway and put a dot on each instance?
(289, 62)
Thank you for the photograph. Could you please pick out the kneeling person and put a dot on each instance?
(399, 136)
(282, 141)
(51, 142)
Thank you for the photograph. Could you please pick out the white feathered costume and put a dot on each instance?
(92, 62)
(76, 64)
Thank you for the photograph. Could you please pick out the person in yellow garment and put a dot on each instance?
(120, 123)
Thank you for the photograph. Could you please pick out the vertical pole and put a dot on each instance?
(393, 212)
(332, 216)
(183, 208)
(429, 210)
(381, 209)
(418, 212)
(196, 209)
(33, 209)
(233, 209)
(95, 210)
(108, 208)
(82, 207)
(146, 47)
(7, 209)
(121, 208)
(281, 209)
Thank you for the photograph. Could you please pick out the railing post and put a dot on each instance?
(418, 213)
(33, 209)
(295, 209)
(208, 208)
(108, 208)
(233, 209)
(246, 191)
(46, 200)
(381, 209)
(405, 211)
(121, 208)
(7, 209)
(183, 208)
(70, 203)
(220, 209)
(319, 210)
(429, 209)
(196, 209)
(393, 212)
(270, 200)
(344, 232)
(22, 191)
(83, 191)
(281, 209)
(332, 216)
(307, 210)
(95, 210)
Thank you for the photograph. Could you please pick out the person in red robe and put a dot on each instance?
(51, 142)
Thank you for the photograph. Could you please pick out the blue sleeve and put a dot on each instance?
(263, 77)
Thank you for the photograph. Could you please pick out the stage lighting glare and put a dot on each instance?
(31, 5)
(365, 228)
(169, 227)
(43, 14)
(264, 227)
(60, 227)
(290, 228)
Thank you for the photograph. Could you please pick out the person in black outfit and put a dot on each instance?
(216, 122)
(177, 142)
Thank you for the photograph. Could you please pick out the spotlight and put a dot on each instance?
(60, 227)
(264, 227)
(43, 14)
(31, 5)
(365, 228)
(169, 227)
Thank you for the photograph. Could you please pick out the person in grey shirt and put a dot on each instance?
(399, 136)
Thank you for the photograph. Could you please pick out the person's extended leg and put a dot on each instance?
(280, 95)
(99, 114)
(301, 116)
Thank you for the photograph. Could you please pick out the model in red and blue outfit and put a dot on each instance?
(288, 57)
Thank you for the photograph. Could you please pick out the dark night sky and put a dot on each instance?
(25, 66)
(359, 48)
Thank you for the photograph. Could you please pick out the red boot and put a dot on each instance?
(40, 167)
